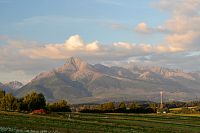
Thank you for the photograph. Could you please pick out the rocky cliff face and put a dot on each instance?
(78, 81)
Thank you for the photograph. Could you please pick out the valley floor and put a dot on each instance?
(98, 123)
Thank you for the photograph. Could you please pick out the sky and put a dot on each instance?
(39, 35)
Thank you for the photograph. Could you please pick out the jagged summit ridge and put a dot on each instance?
(14, 85)
(74, 64)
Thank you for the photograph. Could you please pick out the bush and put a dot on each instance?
(60, 106)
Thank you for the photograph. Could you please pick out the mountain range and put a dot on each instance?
(80, 82)
(14, 85)
(11, 86)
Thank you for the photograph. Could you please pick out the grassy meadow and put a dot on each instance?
(98, 123)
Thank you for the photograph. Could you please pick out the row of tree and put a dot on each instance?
(111, 107)
(135, 107)
(36, 101)
(187, 110)
(178, 104)
(30, 102)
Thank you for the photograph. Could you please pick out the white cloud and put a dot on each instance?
(75, 46)
(184, 24)
(123, 45)
(145, 28)
(30, 58)
(95, 51)
(182, 29)
(179, 7)
(94, 46)
(74, 43)
(142, 27)
(71, 47)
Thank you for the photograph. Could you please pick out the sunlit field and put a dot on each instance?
(80, 122)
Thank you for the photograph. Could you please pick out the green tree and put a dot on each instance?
(60, 106)
(34, 101)
(153, 107)
(121, 108)
(8, 102)
(108, 106)
(2, 93)
(122, 105)
(134, 106)
(197, 109)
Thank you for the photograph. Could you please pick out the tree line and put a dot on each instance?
(30, 102)
(111, 107)
(137, 107)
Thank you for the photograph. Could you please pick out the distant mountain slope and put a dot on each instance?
(14, 85)
(66, 82)
(5, 88)
(78, 81)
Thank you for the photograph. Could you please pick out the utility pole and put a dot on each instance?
(161, 100)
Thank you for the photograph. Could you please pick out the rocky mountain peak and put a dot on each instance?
(75, 64)
(14, 85)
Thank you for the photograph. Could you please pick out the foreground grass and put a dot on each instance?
(98, 123)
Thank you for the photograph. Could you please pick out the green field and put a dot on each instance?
(98, 123)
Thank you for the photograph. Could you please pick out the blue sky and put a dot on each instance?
(54, 21)
(38, 35)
